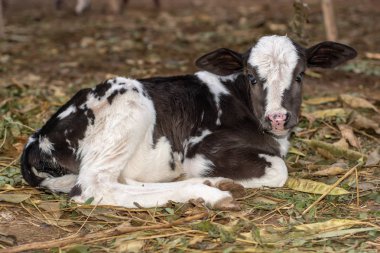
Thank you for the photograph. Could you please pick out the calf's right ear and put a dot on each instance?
(221, 62)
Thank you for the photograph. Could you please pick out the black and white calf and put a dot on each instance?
(125, 141)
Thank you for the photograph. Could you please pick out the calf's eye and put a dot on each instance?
(299, 77)
(252, 79)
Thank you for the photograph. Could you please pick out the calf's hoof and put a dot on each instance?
(236, 190)
(227, 204)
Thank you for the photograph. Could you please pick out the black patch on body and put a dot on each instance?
(111, 97)
(101, 89)
(75, 191)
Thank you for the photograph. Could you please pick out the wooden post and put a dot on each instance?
(329, 18)
(114, 6)
(2, 29)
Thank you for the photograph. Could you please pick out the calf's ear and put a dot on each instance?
(222, 61)
(329, 54)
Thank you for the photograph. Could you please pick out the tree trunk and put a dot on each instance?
(2, 30)
(329, 18)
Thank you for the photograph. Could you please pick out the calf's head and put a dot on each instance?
(273, 69)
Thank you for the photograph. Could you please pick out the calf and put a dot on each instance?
(125, 141)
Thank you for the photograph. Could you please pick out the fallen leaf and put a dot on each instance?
(51, 207)
(373, 158)
(326, 154)
(342, 143)
(362, 122)
(339, 233)
(129, 245)
(14, 198)
(348, 134)
(264, 200)
(309, 186)
(327, 225)
(293, 150)
(363, 186)
(328, 113)
(320, 100)
(335, 151)
(357, 102)
(330, 171)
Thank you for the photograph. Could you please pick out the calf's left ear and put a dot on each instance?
(329, 54)
(222, 61)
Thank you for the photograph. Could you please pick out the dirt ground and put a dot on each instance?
(47, 55)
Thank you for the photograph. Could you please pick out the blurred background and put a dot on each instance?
(51, 47)
(48, 41)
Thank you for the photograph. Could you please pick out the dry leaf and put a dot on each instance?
(328, 113)
(309, 186)
(326, 154)
(373, 158)
(349, 135)
(330, 171)
(329, 225)
(14, 198)
(335, 151)
(320, 100)
(123, 245)
(362, 122)
(356, 102)
(342, 143)
(53, 208)
(293, 150)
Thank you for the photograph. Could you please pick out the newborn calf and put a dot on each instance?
(124, 141)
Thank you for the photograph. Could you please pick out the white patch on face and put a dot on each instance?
(275, 58)
(45, 145)
(275, 175)
(216, 87)
(197, 166)
(71, 109)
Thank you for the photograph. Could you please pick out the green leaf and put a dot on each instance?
(89, 201)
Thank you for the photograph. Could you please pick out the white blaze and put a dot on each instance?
(275, 58)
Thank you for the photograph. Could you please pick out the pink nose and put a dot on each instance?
(278, 120)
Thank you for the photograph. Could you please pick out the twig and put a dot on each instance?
(5, 138)
(122, 229)
(88, 216)
(357, 188)
(332, 187)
